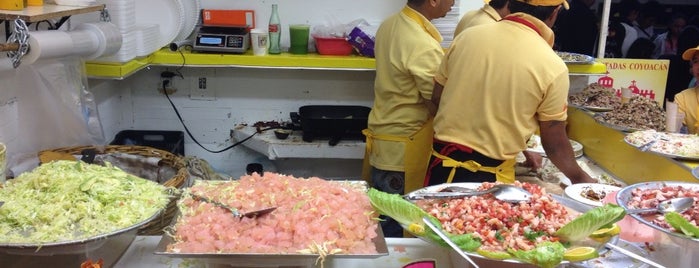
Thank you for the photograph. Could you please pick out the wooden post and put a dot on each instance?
(4, 47)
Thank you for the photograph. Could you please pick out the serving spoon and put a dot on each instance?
(678, 205)
(236, 213)
(504, 192)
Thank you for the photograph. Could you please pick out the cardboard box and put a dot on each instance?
(226, 17)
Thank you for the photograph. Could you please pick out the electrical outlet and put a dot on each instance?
(200, 90)
(166, 86)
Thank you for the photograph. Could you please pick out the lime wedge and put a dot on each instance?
(580, 254)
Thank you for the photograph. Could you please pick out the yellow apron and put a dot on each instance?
(415, 159)
(504, 172)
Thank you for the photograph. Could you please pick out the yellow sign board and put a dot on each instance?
(644, 77)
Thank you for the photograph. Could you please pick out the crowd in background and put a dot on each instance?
(648, 30)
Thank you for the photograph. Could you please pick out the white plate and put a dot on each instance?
(192, 9)
(575, 192)
(169, 14)
(538, 148)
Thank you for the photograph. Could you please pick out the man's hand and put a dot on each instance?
(533, 160)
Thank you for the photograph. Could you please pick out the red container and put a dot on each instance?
(332, 46)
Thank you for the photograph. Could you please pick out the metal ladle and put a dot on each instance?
(444, 237)
(234, 211)
(504, 192)
(678, 205)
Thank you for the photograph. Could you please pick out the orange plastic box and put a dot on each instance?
(228, 17)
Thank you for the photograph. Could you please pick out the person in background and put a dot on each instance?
(678, 75)
(666, 43)
(642, 48)
(576, 29)
(647, 17)
(496, 85)
(492, 11)
(628, 13)
(399, 134)
(688, 100)
(615, 39)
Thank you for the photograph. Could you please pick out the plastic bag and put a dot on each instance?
(336, 29)
(361, 37)
(54, 109)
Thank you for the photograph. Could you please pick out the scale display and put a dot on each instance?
(222, 39)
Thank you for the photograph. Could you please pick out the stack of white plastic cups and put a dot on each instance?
(147, 39)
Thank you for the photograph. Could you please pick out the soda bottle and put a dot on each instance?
(275, 31)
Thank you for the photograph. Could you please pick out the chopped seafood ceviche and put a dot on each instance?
(537, 231)
(501, 225)
(313, 216)
(649, 198)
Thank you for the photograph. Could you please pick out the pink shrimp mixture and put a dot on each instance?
(309, 212)
(501, 225)
(649, 198)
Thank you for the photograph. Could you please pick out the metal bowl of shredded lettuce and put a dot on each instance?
(66, 205)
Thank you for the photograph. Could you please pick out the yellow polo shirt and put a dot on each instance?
(407, 51)
(486, 14)
(499, 80)
(688, 103)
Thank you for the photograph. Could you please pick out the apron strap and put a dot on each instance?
(501, 171)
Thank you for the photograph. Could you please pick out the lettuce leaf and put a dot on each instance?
(394, 206)
(585, 224)
(409, 214)
(681, 224)
(546, 254)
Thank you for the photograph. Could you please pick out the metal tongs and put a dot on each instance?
(236, 213)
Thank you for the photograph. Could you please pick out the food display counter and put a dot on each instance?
(606, 147)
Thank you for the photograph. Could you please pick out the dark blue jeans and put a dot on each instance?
(392, 182)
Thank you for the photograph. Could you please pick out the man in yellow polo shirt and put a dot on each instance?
(492, 11)
(497, 84)
(688, 100)
(399, 134)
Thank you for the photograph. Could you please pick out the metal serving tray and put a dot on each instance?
(271, 260)
(624, 196)
(74, 246)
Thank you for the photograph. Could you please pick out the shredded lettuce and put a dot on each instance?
(681, 224)
(69, 200)
(592, 220)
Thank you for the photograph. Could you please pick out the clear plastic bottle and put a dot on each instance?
(275, 31)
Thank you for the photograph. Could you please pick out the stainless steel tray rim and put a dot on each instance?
(624, 195)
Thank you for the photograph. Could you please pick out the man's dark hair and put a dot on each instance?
(416, 2)
(540, 12)
(497, 4)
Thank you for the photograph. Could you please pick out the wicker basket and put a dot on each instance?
(156, 226)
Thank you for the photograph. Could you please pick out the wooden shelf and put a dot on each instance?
(45, 12)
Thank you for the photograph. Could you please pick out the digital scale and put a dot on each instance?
(222, 39)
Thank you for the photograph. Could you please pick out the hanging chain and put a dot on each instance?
(104, 15)
(20, 35)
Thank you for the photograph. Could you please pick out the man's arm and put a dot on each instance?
(436, 97)
(560, 152)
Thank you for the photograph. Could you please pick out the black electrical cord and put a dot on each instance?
(165, 84)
